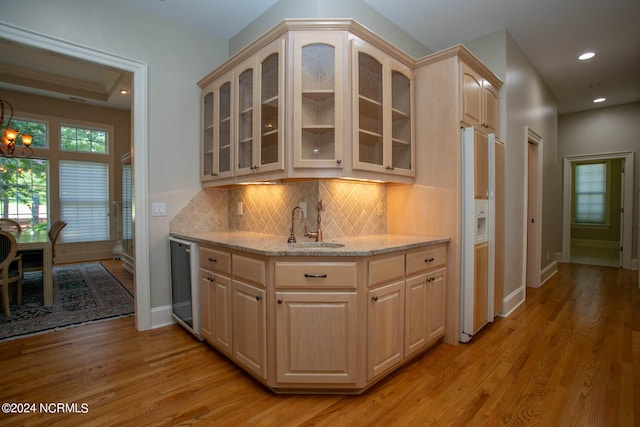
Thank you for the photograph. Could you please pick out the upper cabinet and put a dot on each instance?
(382, 112)
(478, 101)
(318, 99)
(310, 99)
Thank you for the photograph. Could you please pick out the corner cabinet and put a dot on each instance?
(382, 113)
(310, 99)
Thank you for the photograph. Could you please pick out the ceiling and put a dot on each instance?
(551, 34)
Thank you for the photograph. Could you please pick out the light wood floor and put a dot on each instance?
(570, 356)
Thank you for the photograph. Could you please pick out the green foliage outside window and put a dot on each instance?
(83, 140)
(23, 192)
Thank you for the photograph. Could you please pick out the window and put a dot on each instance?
(23, 192)
(590, 189)
(84, 200)
(36, 129)
(83, 140)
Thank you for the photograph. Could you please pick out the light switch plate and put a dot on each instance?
(159, 209)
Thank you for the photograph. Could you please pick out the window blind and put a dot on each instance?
(590, 193)
(84, 200)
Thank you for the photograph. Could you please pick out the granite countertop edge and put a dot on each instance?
(276, 245)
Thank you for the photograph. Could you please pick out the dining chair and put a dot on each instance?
(10, 269)
(32, 260)
(7, 224)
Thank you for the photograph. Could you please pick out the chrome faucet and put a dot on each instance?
(318, 233)
(292, 237)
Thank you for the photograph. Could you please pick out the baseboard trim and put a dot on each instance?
(548, 272)
(512, 301)
(589, 243)
(161, 316)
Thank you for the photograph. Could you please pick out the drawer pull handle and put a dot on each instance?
(279, 301)
(374, 298)
(212, 259)
(315, 276)
(429, 259)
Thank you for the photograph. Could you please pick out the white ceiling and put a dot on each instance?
(551, 33)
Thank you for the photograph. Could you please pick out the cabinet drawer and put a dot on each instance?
(214, 260)
(426, 259)
(250, 269)
(321, 274)
(386, 269)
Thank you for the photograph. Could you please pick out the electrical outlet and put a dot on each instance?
(303, 209)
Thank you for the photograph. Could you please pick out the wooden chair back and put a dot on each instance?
(7, 224)
(8, 249)
(8, 273)
(54, 233)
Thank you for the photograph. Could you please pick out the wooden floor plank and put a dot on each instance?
(570, 355)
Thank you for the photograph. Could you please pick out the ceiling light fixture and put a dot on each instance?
(598, 100)
(586, 55)
(124, 91)
(8, 144)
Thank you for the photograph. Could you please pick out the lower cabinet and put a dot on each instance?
(250, 327)
(322, 323)
(316, 337)
(385, 325)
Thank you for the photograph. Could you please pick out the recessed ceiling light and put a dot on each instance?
(124, 91)
(586, 55)
(598, 100)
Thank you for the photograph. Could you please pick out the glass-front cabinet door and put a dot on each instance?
(318, 104)
(382, 113)
(206, 136)
(223, 129)
(260, 85)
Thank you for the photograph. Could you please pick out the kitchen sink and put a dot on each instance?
(315, 245)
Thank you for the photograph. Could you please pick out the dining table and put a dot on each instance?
(39, 240)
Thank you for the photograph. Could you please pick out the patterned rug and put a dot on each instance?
(82, 293)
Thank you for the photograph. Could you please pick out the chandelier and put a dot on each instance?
(8, 144)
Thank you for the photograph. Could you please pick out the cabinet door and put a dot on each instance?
(385, 328)
(401, 147)
(316, 335)
(206, 301)
(425, 305)
(245, 83)
(269, 150)
(481, 165)
(215, 310)
(471, 96)
(490, 108)
(223, 128)
(206, 137)
(318, 99)
(249, 328)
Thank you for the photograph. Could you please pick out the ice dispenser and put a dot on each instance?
(482, 228)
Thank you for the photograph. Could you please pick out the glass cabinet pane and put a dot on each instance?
(370, 118)
(318, 102)
(269, 113)
(245, 119)
(224, 128)
(401, 120)
(207, 134)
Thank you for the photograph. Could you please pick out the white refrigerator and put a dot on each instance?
(478, 232)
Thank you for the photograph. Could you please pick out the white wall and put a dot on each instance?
(605, 130)
(177, 58)
(327, 9)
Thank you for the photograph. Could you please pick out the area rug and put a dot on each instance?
(82, 293)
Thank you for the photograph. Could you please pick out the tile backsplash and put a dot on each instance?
(351, 209)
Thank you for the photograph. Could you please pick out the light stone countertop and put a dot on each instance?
(276, 245)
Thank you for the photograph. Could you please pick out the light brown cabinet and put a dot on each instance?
(479, 102)
(382, 112)
(322, 323)
(348, 111)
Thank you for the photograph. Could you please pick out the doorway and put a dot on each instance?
(600, 233)
(140, 146)
(533, 208)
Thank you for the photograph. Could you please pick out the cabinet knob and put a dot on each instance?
(258, 297)
(429, 259)
(279, 301)
(374, 298)
(339, 161)
(212, 259)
